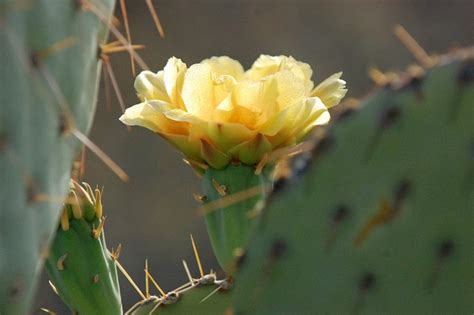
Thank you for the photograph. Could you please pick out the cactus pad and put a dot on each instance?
(79, 265)
(50, 71)
(381, 220)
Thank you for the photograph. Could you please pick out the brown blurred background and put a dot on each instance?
(153, 214)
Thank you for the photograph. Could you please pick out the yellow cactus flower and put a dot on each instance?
(215, 112)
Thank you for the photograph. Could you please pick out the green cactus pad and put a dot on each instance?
(230, 223)
(79, 265)
(50, 71)
(187, 303)
(382, 220)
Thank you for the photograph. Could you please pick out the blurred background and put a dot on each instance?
(153, 214)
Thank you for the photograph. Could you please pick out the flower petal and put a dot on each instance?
(173, 75)
(282, 126)
(256, 101)
(198, 91)
(150, 115)
(225, 66)
(267, 65)
(331, 90)
(291, 88)
(151, 86)
(319, 116)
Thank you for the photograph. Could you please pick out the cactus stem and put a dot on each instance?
(96, 232)
(231, 199)
(196, 256)
(60, 262)
(129, 279)
(155, 17)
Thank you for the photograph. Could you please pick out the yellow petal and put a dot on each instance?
(331, 90)
(291, 88)
(319, 116)
(225, 66)
(214, 112)
(151, 86)
(267, 65)
(256, 101)
(225, 111)
(283, 125)
(173, 75)
(198, 91)
(251, 151)
(222, 135)
(228, 135)
(273, 125)
(150, 115)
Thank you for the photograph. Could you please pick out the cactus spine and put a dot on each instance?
(50, 71)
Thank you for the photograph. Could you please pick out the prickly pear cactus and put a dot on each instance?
(381, 220)
(190, 302)
(79, 265)
(48, 90)
(231, 222)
